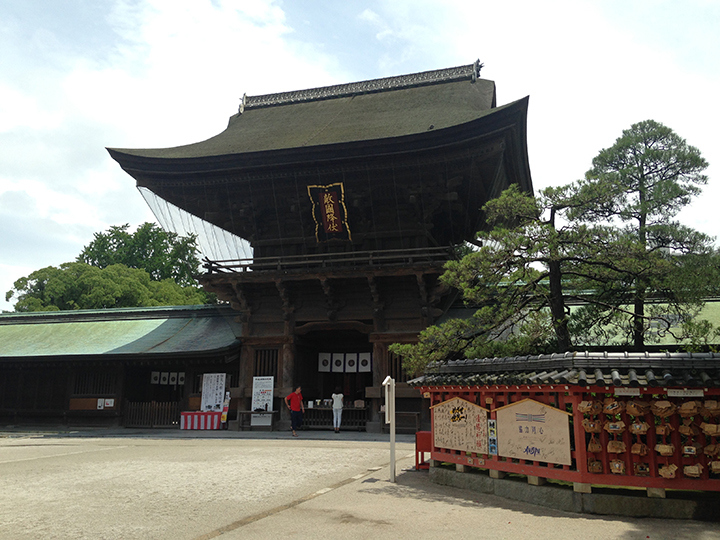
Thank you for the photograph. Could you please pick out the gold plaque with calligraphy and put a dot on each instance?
(329, 212)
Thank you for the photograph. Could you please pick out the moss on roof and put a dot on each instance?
(117, 332)
(360, 117)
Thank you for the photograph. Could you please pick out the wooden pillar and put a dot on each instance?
(380, 363)
(287, 355)
(245, 374)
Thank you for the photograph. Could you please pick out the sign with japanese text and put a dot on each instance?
(262, 397)
(213, 392)
(460, 425)
(533, 431)
(329, 212)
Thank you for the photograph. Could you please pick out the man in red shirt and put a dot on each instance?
(295, 405)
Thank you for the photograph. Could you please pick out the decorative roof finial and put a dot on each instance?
(476, 70)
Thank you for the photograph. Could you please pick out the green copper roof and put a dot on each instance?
(369, 110)
(118, 332)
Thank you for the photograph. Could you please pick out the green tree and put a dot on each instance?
(639, 185)
(605, 244)
(82, 286)
(164, 255)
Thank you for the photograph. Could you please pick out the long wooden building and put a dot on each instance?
(135, 367)
(352, 198)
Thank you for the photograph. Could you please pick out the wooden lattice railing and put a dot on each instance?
(332, 260)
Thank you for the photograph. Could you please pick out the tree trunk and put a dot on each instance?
(557, 308)
(639, 317)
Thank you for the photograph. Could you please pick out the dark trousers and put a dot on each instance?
(295, 419)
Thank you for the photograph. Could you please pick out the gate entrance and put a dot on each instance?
(343, 350)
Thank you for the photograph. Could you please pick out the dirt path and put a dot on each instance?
(177, 489)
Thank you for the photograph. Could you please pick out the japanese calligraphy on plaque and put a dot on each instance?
(329, 212)
(533, 431)
(460, 425)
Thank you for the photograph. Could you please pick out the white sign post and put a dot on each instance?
(262, 397)
(389, 385)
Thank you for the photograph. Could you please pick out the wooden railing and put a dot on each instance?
(322, 417)
(332, 260)
(152, 414)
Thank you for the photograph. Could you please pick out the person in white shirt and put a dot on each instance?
(337, 407)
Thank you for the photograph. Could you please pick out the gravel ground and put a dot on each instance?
(231, 486)
(106, 488)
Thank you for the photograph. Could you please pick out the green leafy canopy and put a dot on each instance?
(149, 267)
(595, 262)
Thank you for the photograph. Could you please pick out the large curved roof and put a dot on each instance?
(369, 110)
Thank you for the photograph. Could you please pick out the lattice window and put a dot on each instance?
(266, 363)
(395, 369)
(93, 383)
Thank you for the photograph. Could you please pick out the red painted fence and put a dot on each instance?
(669, 447)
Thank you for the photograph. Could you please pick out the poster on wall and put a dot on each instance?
(338, 362)
(460, 425)
(365, 362)
(262, 396)
(324, 360)
(533, 431)
(213, 392)
(351, 362)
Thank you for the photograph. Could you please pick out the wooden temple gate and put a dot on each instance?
(343, 204)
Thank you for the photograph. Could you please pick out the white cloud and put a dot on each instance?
(153, 73)
(19, 110)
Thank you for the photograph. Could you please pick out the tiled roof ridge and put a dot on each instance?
(580, 360)
(459, 73)
(580, 368)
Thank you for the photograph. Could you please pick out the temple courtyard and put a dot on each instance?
(112, 484)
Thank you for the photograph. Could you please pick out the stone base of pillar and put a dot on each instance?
(656, 493)
(536, 480)
(582, 488)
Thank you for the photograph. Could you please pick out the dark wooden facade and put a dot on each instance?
(352, 198)
(119, 367)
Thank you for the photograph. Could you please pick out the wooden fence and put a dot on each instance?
(617, 447)
(152, 414)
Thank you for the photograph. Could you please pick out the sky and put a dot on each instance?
(77, 76)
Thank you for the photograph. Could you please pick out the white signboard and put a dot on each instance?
(685, 392)
(262, 397)
(627, 391)
(533, 431)
(460, 425)
(213, 392)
